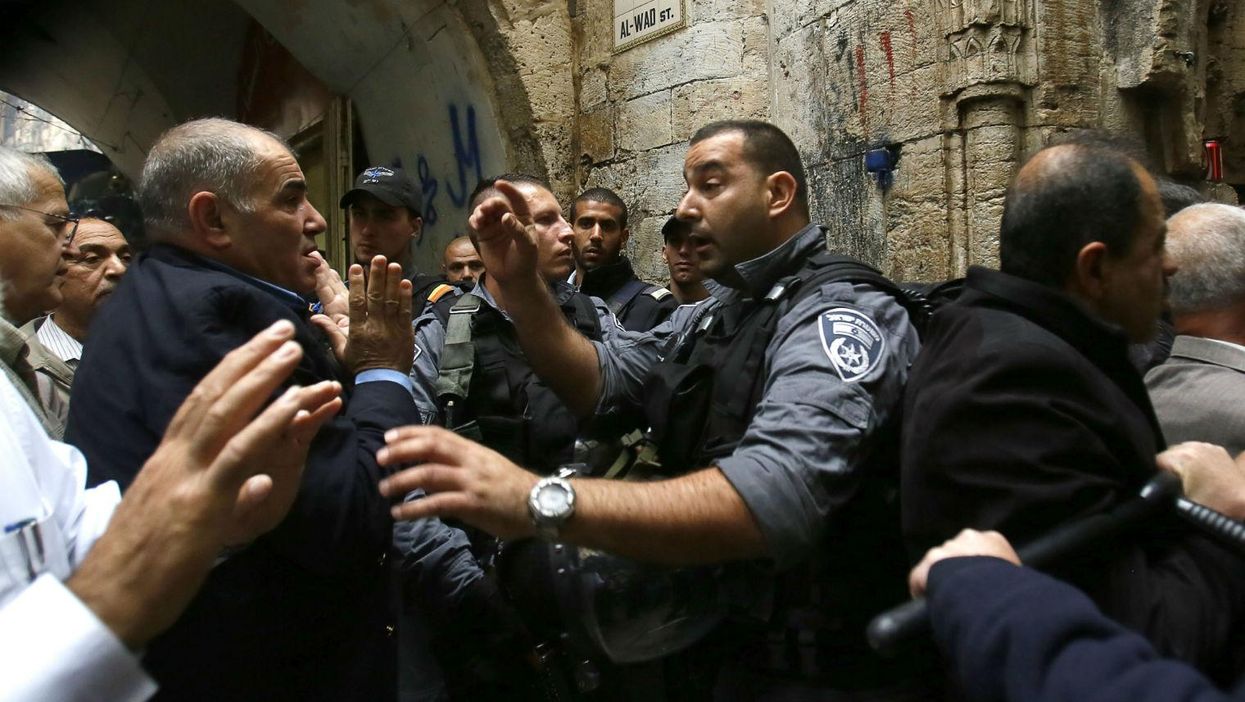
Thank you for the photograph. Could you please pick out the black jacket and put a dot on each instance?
(1022, 412)
(639, 306)
(303, 612)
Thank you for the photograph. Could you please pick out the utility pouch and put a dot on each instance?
(676, 404)
(505, 435)
(470, 430)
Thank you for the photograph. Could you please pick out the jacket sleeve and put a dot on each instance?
(1018, 445)
(340, 522)
(1014, 634)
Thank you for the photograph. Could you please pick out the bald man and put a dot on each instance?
(461, 262)
(1023, 413)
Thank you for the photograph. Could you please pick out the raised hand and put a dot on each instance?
(378, 333)
(503, 228)
(332, 292)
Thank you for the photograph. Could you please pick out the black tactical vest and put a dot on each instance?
(699, 402)
(701, 398)
(489, 393)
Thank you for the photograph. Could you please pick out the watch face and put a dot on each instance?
(552, 500)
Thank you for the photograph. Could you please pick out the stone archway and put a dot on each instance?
(452, 91)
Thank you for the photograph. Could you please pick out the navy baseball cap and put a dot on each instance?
(389, 185)
(673, 226)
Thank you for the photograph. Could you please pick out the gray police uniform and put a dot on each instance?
(430, 340)
(496, 667)
(809, 430)
(835, 368)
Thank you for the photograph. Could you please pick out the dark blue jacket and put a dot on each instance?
(1015, 634)
(306, 611)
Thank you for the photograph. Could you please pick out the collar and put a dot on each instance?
(170, 252)
(603, 281)
(11, 342)
(1216, 351)
(1104, 343)
(481, 291)
(762, 272)
(1229, 344)
(58, 341)
(560, 291)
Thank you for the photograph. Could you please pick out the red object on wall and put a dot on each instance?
(1212, 156)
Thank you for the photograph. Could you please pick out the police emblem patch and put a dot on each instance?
(851, 341)
(375, 173)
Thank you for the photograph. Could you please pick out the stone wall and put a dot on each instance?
(955, 93)
(637, 109)
(950, 94)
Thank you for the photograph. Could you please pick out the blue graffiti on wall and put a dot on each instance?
(468, 166)
(466, 156)
(428, 185)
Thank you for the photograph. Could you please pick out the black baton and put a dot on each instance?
(900, 624)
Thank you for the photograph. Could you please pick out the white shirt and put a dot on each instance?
(58, 341)
(51, 646)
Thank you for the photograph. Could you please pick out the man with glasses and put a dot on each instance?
(36, 236)
(56, 341)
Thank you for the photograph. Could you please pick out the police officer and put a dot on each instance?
(778, 398)
(599, 218)
(384, 209)
(469, 372)
(471, 376)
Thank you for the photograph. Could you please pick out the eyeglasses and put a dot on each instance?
(65, 222)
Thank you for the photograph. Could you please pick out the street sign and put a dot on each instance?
(637, 21)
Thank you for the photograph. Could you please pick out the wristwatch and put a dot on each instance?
(551, 502)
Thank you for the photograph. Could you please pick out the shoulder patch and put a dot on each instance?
(852, 342)
(439, 292)
(659, 293)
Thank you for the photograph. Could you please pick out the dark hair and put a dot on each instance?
(606, 196)
(486, 187)
(1123, 144)
(767, 148)
(1090, 193)
(1177, 196)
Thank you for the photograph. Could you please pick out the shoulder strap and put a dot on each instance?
(459, 354)
(623, 296)
(827, 267)
(585, 319)
(658, 293)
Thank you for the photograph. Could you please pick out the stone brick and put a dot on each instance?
(644, 123)
(697, 104)
(644, 249)
(718, 10)
(592, 89)
(700, 52)
(596, 134)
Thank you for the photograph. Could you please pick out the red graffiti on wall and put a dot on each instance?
(911, 31)
(864, 87)
(885, 38)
